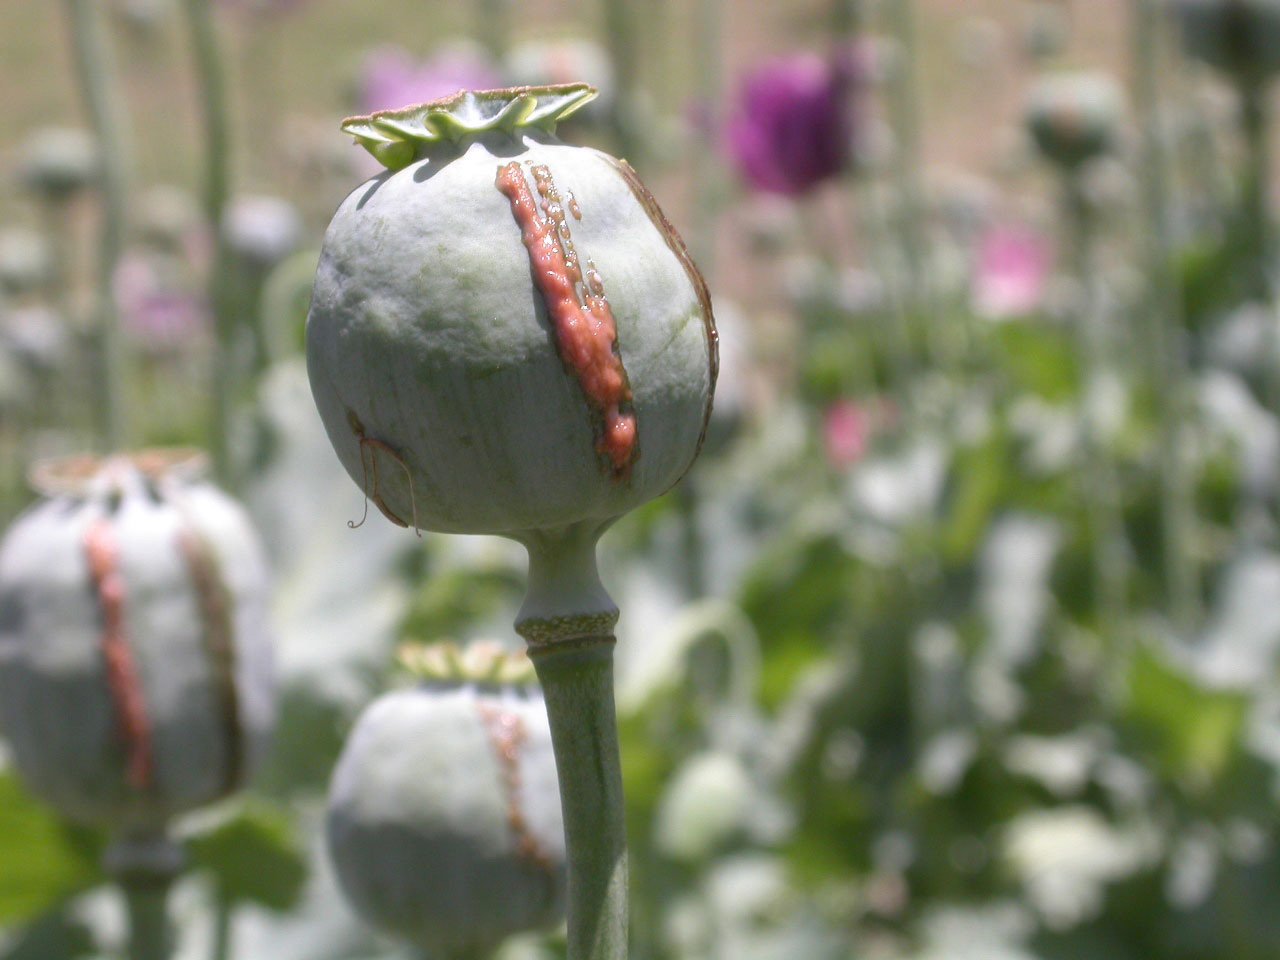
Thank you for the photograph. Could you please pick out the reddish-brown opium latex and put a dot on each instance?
(586, 333)
(103, 558)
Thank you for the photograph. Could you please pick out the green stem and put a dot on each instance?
(96, 72)
(222, 913)
(217, 150)
(264, 75)
(905, 110)
(708, 32)
(149, 935)
(1256, 222)
(691, 538)
(891, 341)
(577, 682)
(567, 620)
(623, 43)
(64, 401)
(493, 27)
(145, 868)
(1100, 489)
(1164, 327)
(1254, 120)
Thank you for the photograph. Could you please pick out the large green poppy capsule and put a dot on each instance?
(506, 335)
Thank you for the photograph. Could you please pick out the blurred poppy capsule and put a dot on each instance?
(136, 677)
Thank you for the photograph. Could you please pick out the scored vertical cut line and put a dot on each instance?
(586, 333)
(123, 681)
(214, 600)
(507, 734)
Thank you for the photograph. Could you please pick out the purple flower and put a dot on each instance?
(159, 306)
(391, 79)
(792, 127)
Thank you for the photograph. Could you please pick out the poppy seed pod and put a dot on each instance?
(506, 336)
(1072, 117)
(59, 162)
(26, 262)
(444, 816)
(135, 671)
(1240, 37)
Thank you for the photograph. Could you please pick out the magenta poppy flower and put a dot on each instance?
(391, 78)
(1011, 273)
(792, 124)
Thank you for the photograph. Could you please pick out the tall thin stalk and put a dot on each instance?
(567, 621)
(146, 903)
(97, 76)
(577, 682)
(623, 43)
(905, 114)
(1100, 488)
(144, 869)
(1164, 328)
(493, 26)
(217, 164)
(1255, 218)
(1255, 123)
(707, 34)
(223, 909)
(870, 221)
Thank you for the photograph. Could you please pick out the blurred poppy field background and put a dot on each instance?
(959, 641)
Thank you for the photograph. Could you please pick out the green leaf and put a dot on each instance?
(54, 935)
(43, 859)
(254, 857)
(450, 601)
(974, 496)
(1039, 359)
(799, 601)
(1193, 731)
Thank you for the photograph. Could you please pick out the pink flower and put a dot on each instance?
(846, 431)
(1011, 273)
(391, 78)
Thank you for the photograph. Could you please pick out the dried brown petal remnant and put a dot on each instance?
(585, 331)
(677, 247)
(214, 601)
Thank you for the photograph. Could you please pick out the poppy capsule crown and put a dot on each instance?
(135, 669)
